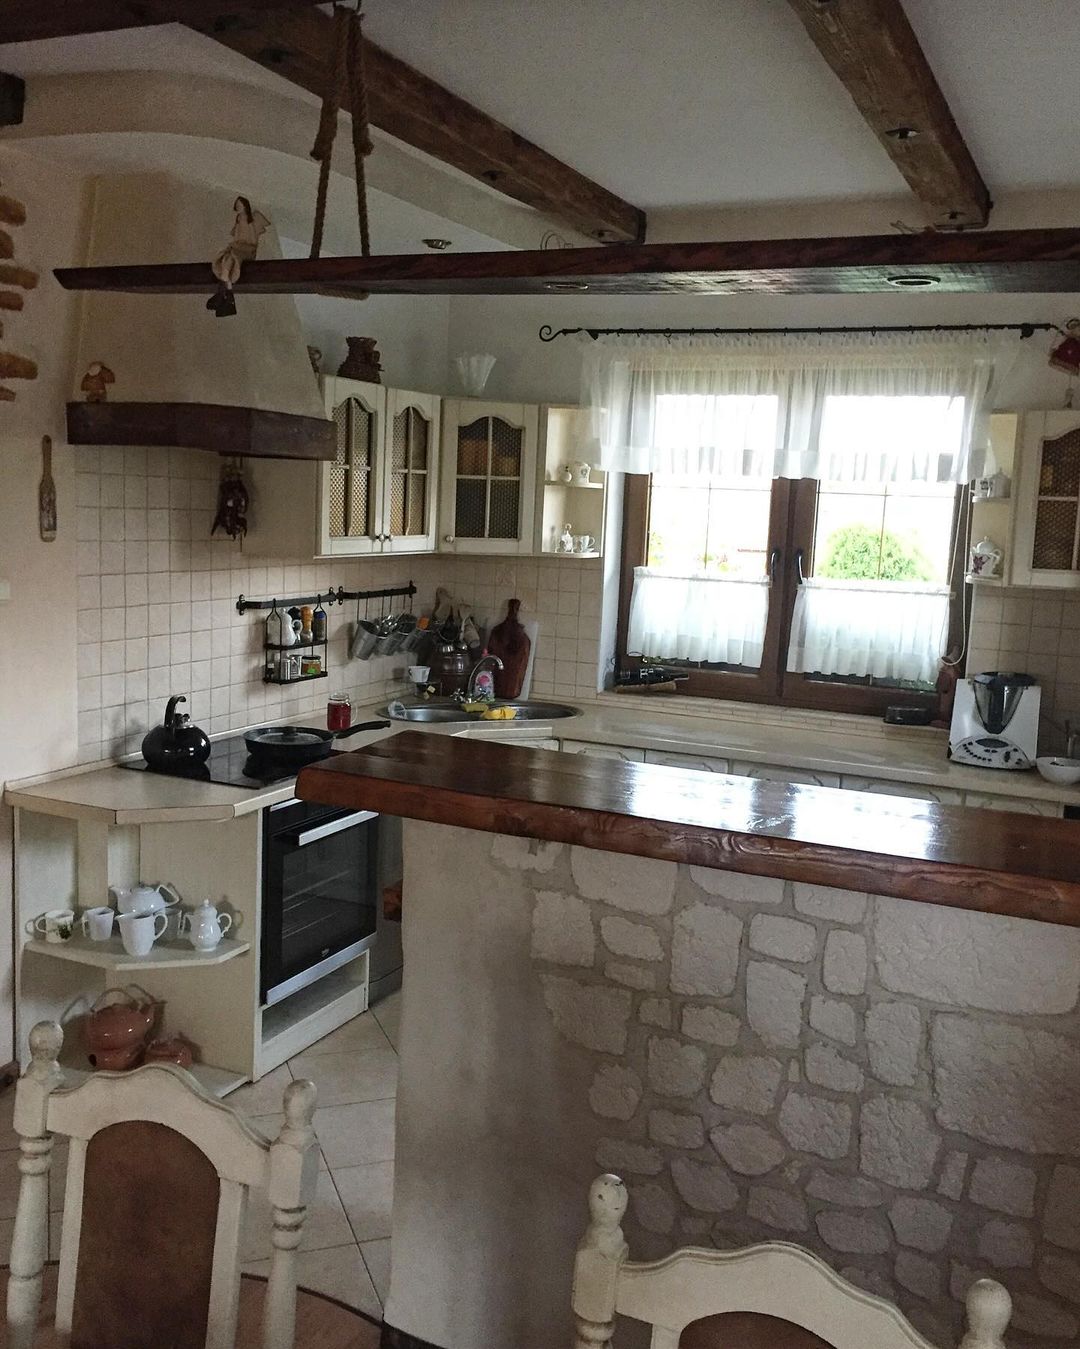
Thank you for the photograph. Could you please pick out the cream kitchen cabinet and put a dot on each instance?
(1045, 544)
(1023, 805)
(379, 494)
(701, 763)
(625, 752)
(489, 477)
(778, 773)
(942, 796)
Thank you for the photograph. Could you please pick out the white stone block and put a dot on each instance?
(525, 854)
(676, 1130)
(1009, 1085)
(619, 1155)
(711, 1024)
(630, 976)
(653, 1207)
(813, 1124)
(705, 951)
(734, 885)
(853, 1233)
(922, 1223)
(1004, 1186)
(953, 1171)
(827, 1067)
(822, 901)
(636, 884)
(656, 1012)
(626, 938)
(562, 929)
(747, 1148)
(893, 1041)
(783, 938)
(844, 968)
(704, 1187)
(1061, 1217)
(1038, 1316)
(675, 1069)
(847, 1191)
(774, 1002)
(898, 1144)
(971, 959)
(1006, 1245)
(833, 1018)
(591, 1015)
(918, 1275)
(777, 1209)
(615, 1092)
(746, 1083)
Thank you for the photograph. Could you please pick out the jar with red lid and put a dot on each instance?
(338, 712)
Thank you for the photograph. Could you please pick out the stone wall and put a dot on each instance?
(894, 1085)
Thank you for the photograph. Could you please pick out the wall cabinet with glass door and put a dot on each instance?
(377, 496)
(1045, 548)
(489, 477)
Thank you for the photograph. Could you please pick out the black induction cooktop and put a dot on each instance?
(232, 765)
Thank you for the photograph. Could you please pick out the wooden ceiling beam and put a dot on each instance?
(872, 48)
(406, 104)
(36, 20)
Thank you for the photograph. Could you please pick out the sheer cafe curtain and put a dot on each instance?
(847, 408)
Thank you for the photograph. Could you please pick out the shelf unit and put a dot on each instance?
(290, 1026)
(110, 955)
(581, 504)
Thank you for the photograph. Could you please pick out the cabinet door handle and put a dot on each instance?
(774, 565)
(799, 555)
(448, 538)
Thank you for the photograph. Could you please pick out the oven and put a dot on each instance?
(323, 876)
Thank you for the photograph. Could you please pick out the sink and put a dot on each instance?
(527, 710)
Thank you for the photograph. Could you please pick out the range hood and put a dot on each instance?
(182, 377)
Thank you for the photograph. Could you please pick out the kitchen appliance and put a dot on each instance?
(176, 743)
(995, 721)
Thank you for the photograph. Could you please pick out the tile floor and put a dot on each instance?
(345, 1251)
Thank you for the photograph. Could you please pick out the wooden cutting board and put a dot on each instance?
(510, 642)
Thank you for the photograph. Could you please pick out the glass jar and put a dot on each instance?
(338, 712)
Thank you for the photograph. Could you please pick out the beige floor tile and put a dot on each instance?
(362, 1032)
(388, 1014)
(340, 1079)
(9, 1139)
(9, 1182)
(58, 1174)
(326, 1224)
(353, 1135)
(377, 1258)
(367, 1193)
(262, 1097)
(339, 1272)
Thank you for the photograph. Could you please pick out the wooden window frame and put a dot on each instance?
(791, 539)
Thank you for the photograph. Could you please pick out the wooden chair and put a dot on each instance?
(157, 1182)
(690, 1287)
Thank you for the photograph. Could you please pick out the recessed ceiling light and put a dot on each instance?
(566, 285)
(438, 245)
(913, 280)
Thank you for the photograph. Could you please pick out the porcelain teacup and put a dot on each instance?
(139, 931)
(56, 925)
(97, 924)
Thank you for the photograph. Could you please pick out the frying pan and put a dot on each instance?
(294, 746)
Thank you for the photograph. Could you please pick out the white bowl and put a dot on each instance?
(1065, 772)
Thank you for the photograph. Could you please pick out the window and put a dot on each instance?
(832, 594)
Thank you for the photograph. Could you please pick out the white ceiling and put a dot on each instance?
(694, 102)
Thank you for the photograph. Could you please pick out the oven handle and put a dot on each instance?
(302, 837)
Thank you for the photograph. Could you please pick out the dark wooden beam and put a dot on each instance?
(34, 20)
(873, 49)
(248, 432)
(406, 104)
(12, 100)
(1036, 261)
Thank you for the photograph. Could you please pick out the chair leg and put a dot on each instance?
(279, 1312)
(29, 1241)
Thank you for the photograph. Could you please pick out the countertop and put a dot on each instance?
(949, 855)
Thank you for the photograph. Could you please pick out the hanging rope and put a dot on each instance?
(344, 79)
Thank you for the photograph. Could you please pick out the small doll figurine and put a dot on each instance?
(96, 381)
(248, 228)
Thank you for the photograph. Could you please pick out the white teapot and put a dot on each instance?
(985, 559)
(143, 898)
(205, 927)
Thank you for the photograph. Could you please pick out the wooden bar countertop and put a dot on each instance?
(994, 861)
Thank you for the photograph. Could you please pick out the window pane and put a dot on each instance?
(709, 525)
(869, 532)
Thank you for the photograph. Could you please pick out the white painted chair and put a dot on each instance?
(772, 1280)
(207, 1157)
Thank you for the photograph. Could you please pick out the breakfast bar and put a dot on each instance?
(779, 1012)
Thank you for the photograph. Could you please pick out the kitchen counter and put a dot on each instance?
(885, 845)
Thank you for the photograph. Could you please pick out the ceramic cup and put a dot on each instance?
(139, 931)
(419, 673)
(97, 924)
(56, 924)
(583, 543)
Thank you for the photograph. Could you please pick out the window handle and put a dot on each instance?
(799, 555)
(774, 565)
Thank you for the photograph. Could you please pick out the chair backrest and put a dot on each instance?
(157, 1181)
(776, 1279)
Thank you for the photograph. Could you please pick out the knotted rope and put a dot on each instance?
(345, 78)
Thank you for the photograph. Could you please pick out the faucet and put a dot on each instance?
(470, 684)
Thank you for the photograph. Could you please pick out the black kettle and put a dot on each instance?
(176, 743)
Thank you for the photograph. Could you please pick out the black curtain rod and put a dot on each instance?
(549, 334)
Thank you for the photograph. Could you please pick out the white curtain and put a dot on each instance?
(698, 617)
(840, 408)
(889, 629)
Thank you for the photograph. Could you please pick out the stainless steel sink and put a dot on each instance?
(438, 710)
